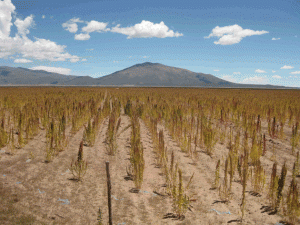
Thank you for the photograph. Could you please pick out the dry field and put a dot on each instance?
(177, 156)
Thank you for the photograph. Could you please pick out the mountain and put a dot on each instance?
(23, 76)
(155, 74)
(141, 75)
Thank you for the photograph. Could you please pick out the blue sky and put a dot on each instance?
(256, 42)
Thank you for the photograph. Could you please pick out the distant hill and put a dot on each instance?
(23, 76)
(140, 75)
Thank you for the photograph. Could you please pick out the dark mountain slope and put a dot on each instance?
(144, 74)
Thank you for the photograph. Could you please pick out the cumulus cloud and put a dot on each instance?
(287, 67)
(216, 70)
(6, 9)
(84, 60)
(82, 37)
(255, 80)
(71, 25)
(24, 25)
(22, 61)
(95, 26)
(21, 45)
(275, 39)
(146, 29)
(273, 71)
(260, 71)
(236, 72)
(277, 76)
(229, 78)
(233, 34)
(43, 16)
(295, 72)
(60, 70)
(40, 49)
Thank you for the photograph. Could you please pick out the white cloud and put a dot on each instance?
(287, 67)
(43, 49)
(260, 71)
(21, 45)
(273, 71)
(84, 60)
(146, 29)
(277, 76)
(22, 61)
(40, 49)
(275, 39)
(255, 80)
(60, 70)
(82, 37)
(233, 34)
(24, 25)
(130, 57)
(229, 78)
(71, 25)
(295, 72)
(6, 9)
(216, 70)
(236, 72)
(43, 16)
(74, 60)
(95, 26)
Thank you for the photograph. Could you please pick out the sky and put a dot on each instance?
(252, 42)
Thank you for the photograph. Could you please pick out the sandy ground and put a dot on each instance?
(47, 193)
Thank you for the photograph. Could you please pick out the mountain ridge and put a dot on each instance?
(139, 75)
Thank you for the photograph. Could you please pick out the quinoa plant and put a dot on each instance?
(137, 153)
(11, 142)
(162, 150)
(99, 218)
(181, 201)
(169, 172)
(295, 137)
(273, 186)
(79, 167)
(209, 139)
(255, 150)
(264, 145)
(258, 178)
(244, 174)
(3, 135)
(89, 134)
(222, 135)
(272, 129)
(224, 191)
(297, 165)
(113, 127)
(280, 188)
(292, 209)
(217, 176)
